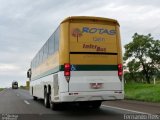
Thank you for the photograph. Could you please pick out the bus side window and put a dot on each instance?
(51, 45)
(57, 39)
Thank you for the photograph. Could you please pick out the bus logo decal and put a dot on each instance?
(95, 47)
(76, 33)
(98, 30)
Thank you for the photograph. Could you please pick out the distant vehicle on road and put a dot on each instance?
(80, 63)
(14, 85)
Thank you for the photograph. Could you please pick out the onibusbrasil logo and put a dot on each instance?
(76, 32)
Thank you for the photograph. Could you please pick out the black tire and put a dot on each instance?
(46, 99)
(53, 106)
(34, 98)
(96, 104)
(84, 104)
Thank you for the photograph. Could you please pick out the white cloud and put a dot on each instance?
(8, 67)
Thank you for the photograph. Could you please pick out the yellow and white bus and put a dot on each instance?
(81, 62)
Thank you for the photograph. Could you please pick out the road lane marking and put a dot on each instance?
(125, 109)
(26, 102)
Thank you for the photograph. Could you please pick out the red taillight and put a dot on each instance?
(120, 70)
(67, 68)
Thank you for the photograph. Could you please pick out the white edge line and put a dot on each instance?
(26, 102)
(125, 109)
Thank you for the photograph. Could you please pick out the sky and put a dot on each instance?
(25, 25)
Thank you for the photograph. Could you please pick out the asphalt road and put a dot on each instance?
(19, 104)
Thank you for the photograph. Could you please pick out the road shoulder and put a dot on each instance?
(147, 107)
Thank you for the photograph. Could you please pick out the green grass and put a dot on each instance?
(1, 89)
(142, 92)
(24, 87)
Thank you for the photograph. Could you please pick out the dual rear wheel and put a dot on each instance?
(55, 106)
(48, 101)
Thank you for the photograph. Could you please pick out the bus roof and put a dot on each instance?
(89, 18)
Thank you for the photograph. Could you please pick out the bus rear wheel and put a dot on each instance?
(46, 99)
(34, 98)
(53, 106)
(96, 104)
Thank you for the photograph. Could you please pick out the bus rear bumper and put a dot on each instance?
(91, 96)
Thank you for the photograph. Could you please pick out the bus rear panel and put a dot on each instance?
(95, 61)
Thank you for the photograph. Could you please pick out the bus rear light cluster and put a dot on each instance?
(67, 71)
(120, 70)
